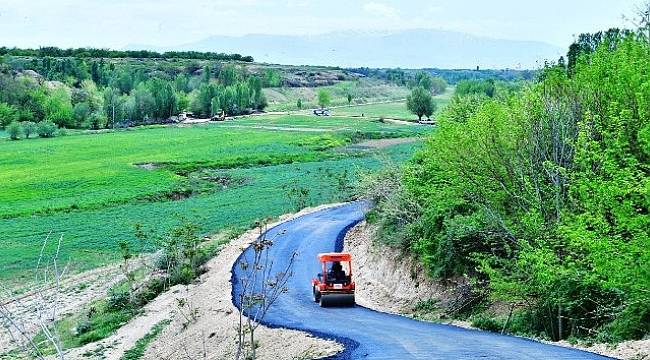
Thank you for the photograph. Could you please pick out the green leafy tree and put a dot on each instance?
(122, 80)
(112, 105)
(8, 114)
(299, 104)
(438, 85)
(182, 83)
(257, 95)
(201, 99)
(29, 128)
(58, 108)
(144, 103)
(182, 101)
(420, 102)
(476, 87)
(14, 130)
(97, 120)
(164, 97)
(215, 107)
(207, 74)
(349, 99)
(324, 98)
(81, 112)
(228, 75)
(424, 80)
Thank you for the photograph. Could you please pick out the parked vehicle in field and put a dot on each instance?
(333, 286)
(322, 112)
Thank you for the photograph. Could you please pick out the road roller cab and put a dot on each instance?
(333, 286)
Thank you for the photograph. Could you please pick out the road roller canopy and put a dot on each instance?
(331, 257)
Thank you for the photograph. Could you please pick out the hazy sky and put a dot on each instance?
(116, 23)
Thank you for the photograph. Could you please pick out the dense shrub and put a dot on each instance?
(476, 87)
(149, 291)
(486, 322)
(46, 129)
(8, 114)
(15, 130)
(118, 299)
(29, 128)
(543, 193)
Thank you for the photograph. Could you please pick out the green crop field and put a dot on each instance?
(88, 187)
(362, 91)
(390, 110)
(368, 126)
(395, 110)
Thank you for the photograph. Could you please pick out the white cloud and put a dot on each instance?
(297, 3)
(380, 9)
(434, 8)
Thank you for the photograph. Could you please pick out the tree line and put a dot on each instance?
(85, 53)
(539, 194)
(85, 94)
(402, 77)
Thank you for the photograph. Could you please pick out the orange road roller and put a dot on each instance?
(333, 286)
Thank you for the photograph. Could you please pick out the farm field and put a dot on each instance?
(362, 91)
(89, 188)
(392, 110)
(361, 127)
(81, 171)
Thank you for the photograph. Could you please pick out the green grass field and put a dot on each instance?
(396, 110)
(391, 110)
(348, 125)
(362, 91)
(88, 188)
(82, 171)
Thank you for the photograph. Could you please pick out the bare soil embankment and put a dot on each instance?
(212, 334)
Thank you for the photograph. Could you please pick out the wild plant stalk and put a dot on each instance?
(44, 309)
(260, 289)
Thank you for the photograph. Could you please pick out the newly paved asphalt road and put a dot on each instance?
(368, 334)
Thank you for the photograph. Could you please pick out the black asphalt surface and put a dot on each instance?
(369, 334)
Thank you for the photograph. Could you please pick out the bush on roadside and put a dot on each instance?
(486, 322)
(149, 291)
(118, 299)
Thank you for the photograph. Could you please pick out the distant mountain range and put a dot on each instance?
(405, 49)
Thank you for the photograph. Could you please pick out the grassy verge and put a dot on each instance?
(137, 352)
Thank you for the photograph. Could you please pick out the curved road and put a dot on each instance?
(368, 334)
